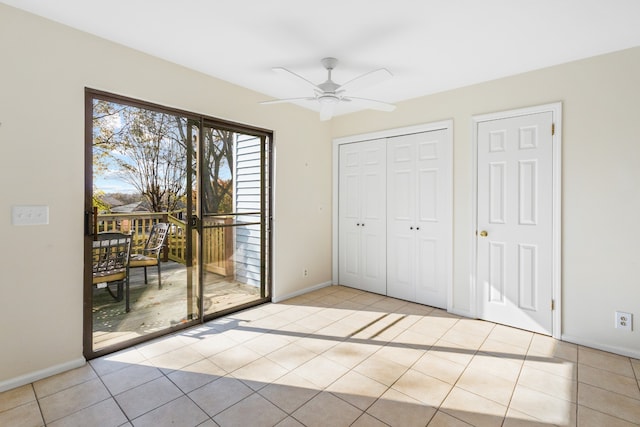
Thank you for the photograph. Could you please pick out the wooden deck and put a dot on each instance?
(154, 309)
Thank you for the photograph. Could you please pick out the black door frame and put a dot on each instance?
(266, 138)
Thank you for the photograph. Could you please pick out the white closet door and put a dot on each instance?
(362, 220)
(401, 218)
(419, 217)
(349, 215)
(434, 218)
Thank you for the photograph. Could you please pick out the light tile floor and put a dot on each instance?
(339, 357)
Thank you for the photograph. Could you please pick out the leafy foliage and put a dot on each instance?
(218, 161)
(146, 149)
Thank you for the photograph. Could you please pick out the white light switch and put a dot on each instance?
(30, 215)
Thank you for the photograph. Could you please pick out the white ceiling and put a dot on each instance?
(429, 45)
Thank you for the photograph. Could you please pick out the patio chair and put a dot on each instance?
(111, 264)
(152, 251)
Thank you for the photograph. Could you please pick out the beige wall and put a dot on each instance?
(44, 70)
(600, 182)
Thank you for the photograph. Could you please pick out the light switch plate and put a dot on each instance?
(30, 215)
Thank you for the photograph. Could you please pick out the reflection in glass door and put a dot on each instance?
(209, 181)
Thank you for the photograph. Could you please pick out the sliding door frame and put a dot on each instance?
(266, 218)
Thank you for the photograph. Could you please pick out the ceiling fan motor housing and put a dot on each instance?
(329, 63)
(327, 99)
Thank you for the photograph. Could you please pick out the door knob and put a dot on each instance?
(483, 233)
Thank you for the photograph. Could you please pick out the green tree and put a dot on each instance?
(146, 149)
(218, 169)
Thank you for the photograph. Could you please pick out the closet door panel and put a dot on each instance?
(427, 283)
(417, 220)
(400, 266)
(374, 274)
(401, 209)
(350, 262)
(362, 216)
(433, 218)
(349, 216)
(373, 216)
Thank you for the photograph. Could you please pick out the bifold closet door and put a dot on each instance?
(419, 236)
(361, 216)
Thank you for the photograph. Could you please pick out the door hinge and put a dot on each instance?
(553, 129)
(553, 305)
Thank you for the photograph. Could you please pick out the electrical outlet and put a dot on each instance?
(30, 215)
(624, 320)
(305, 272)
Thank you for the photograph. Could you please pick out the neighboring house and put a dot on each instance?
(130, 208)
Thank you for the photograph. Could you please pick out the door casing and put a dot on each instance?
(556, 110)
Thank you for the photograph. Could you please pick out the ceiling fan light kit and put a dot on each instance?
(329, 93)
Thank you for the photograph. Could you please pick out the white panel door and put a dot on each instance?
(361, 216)
(515, 220)
(401, 217)
(419, 217)
(349, 214)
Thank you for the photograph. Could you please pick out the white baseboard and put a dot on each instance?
(301, 292)
(623, 351)
(43, 373)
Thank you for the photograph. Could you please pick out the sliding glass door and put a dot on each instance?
(232, 219)
(208, 181)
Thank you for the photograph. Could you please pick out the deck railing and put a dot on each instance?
(217, 242)
(138, 225)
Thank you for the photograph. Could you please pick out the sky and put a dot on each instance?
(112, 184)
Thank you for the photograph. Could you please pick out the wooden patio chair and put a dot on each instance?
(111, 264)
(152, 251)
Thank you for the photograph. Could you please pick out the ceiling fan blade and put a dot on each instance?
(326, 111)
(282, 70)
(367, 79)
(280, 101)
(372, 103)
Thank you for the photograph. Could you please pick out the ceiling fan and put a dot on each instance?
(329, 93)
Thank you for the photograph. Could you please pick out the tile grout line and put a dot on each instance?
(348, 339)
(518, 379)
(599, 388)
(454, 384)
(462, 373)
(98, 377)
(578, 382)
(635, 374)
(351, 369)
(183, 394)
(38, 403)
(110, 394)
(388, 387)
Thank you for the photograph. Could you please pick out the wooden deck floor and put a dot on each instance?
(154, 309)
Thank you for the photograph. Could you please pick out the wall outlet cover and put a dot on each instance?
(624, 320)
